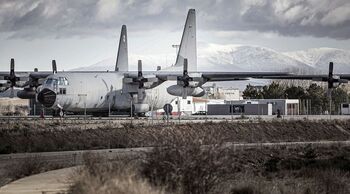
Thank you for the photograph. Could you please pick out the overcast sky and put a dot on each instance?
(83, 32)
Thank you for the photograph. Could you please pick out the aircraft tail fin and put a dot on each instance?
(188, 45)
(122, 63)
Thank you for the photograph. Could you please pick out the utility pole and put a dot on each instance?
(131, 112)
(178, 109)
(330, 106)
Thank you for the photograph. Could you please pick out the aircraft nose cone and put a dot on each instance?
(47, 97)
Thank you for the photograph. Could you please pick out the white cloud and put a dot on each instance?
(106, 9)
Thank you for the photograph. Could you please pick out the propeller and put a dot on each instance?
(332, 80)
(12, 77)
(141, 81)
(186, 81)
(54, 67)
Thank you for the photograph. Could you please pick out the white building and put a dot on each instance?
(214, 92)
(201, 104)
(345, 109)
(180, 105)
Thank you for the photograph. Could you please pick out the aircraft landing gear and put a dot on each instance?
(61, 113)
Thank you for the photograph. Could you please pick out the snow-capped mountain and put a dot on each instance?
(319, 58)
(242, 58)
(255, 59)
(104, 65)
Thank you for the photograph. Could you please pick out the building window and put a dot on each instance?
(188, 102)
(176, 102)
(345, 105)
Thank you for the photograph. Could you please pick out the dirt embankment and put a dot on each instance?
(26, 138)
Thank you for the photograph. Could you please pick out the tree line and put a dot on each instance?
(313, 95)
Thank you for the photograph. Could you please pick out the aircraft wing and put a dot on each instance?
(207, 76)
(214, 76)
(310, 77)
(232, 76)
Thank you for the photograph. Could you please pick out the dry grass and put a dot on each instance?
(187, 165)
(24, 137)
(192, 158)
(103, 177)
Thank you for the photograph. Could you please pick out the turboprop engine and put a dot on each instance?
(187, 84)
(27, 93)
(177, 90)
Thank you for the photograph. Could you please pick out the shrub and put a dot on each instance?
(98, 175)
(188, 166)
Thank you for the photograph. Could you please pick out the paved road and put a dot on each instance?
(76, 157)
(57, 180)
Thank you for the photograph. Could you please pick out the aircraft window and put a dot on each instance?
(50, 81)
(62, 91)
(62, 81)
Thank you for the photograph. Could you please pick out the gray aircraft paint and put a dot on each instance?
(122, 62)
(88, 90)
(188, 45)
(96, 91)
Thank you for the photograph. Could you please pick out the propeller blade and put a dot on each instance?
(330, 76)
(140, 93)
(139, 68)
(12, 68)
(54, 67)
(185, 72)
(330, 72)
(12, 92)
(184, 93)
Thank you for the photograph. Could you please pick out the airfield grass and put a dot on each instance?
(24, 137)
(194, 158)
(186, 165)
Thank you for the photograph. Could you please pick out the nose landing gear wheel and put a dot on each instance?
(61, 113)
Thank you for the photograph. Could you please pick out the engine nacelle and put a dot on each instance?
(26, 94)
(336, 84)
(176, 90)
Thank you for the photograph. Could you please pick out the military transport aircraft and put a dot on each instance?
(122, 89)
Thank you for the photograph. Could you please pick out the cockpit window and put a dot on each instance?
(62, 81)
(50, 81)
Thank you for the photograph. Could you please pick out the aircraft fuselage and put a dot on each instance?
(95, 92)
